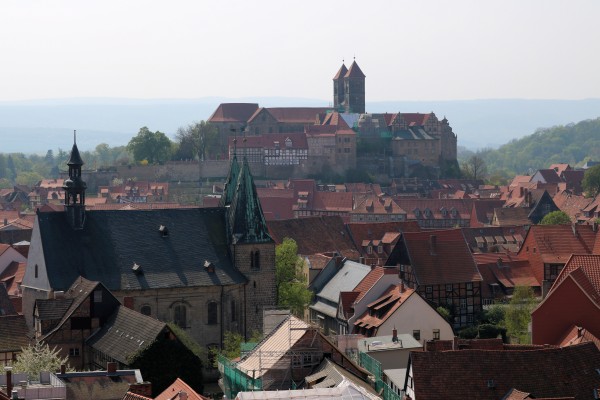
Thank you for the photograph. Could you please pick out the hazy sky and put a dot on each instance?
(409, 50)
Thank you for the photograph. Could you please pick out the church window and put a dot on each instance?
(146, 310)
(212, 313)
(233, 311)
(255, 260)
(180, 315)
(36, 270)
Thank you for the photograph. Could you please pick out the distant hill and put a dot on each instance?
(573, 144)
(36, 126)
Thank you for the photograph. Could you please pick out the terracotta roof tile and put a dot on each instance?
(381, 309)
(177, 387)
(467, 374)
(440, 257)
(233, 112)
(556, 243)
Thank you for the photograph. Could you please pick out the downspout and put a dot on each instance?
(245, 331)
(222, 319)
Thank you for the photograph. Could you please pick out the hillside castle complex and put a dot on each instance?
(299, 141)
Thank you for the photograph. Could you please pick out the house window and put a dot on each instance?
(36, 270)
(469, 285)
(469, 319)
(146, 310)
(429, 289)
(98, 296)
(448, 288)
(180, 315)
(436, 334)
(380, 249)
(369, 249)
(212, 313)
(74, 352)
(417, 334)
(296, 362)
(233, 311)
(463, 304)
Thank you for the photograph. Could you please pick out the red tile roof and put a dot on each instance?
(556, 243)
(12, 277)
(585, 270)
(233, 112)
(347, 300)
(573, 205)
(332, 201)
(440, 257)
(315, 235)
(381, 309)
(373, 204)
(577, 335)
(468, 374)
(371, 279)
(177, 387)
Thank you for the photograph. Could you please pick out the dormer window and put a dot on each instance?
(369, 249)
(428, 213)
(380, 249)
(164, 232)
(288, 142)
(417, 212)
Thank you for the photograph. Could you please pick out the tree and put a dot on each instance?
(292, 290)
(591, 181)
(556, 218)
(518, 313)
(28, 178)
(154, 147)
(37, 358)
(197, 140)
(474, 168)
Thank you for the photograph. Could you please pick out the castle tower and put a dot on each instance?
(74, 188)
(252, 247)
(338, 88)
(354, 90)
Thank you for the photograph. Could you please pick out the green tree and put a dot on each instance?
(104, 154)
(292, 290)
(591, 181)
(556, 218)
(518, 313)
(28, 178)
(154, 147)
(198, 140)
(37, 358)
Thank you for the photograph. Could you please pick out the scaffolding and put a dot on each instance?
(374, 367)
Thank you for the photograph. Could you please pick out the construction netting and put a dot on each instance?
(374, 367)
(234, 380)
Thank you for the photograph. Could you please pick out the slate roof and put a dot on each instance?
(233, 112)
(298, 115)
(448, 261)
(13, 333)
(341, 72)
(126, 332)
(465, 374)
(346, 279)
(6, 306)
(111, 242)
(315, 235)
(52, 309)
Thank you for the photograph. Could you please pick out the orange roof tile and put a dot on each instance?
(381, 309)
(177, 387)
(556, 243)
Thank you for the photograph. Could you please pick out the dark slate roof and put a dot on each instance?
(111, 242)
(6, 306)
(413, 133)
(230, 183)
(354, 71)
(13, 333)
(75, 158)
(341, 72)
(126, 332)
(49, 309)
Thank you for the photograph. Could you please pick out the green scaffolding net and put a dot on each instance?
(235, 380)
(374, 367)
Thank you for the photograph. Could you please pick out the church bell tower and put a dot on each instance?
(74, 188)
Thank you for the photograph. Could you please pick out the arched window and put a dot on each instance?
(180, 315)
(255, 260)
(146, 310)
(212, 313)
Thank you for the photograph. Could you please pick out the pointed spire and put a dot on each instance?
(354, 71)
(341, 72)
(75, 158)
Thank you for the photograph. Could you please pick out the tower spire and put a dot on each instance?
(74, 188)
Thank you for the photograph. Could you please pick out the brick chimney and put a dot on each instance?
(402, 288)
(394, 335)
(111, 368)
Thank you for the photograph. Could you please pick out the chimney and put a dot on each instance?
(9, 384)
(111, 368)
(402, 288)
(63, 369)
(394, 335)
(373, 267)
(5, 221)
(183, 395)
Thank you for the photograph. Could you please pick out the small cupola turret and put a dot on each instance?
(74, 188)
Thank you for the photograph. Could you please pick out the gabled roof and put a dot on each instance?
(233, 112)
(177, 387)
(585, 269)
(280, 340)
(111, 242)
(577, 335)
(384, 307)
(52, 309)
(332, 201)
(549, 175)
(328, 374)
(440, 257)
(345, 280)
(363, 287)
(467, 374)
(126, 332)
(315, 235)
(511, 216)
(572, 204)
(556, 243)
(373, 204)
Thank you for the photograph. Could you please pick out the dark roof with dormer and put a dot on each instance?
(112, 242)
(125, 333)
(246, 219)
(354, 71)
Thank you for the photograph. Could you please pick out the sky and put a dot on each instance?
(409, 50)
